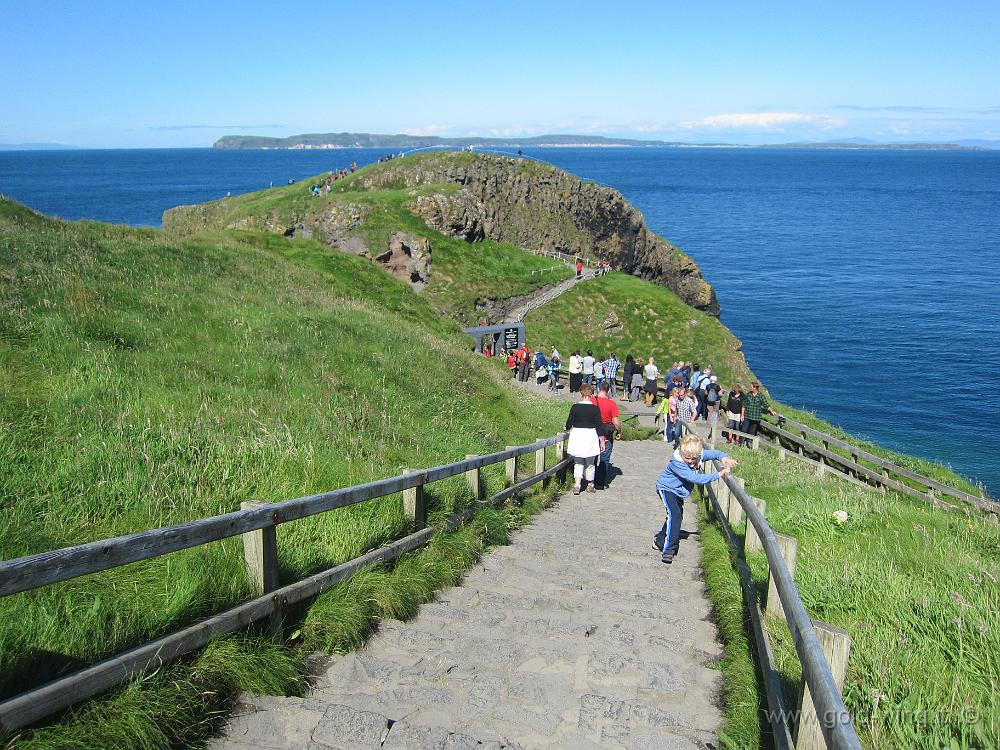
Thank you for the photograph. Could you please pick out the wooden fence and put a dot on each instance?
(821, 719)
(257, 524)
(791, 436)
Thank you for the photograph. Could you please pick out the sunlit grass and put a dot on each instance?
(916, 589)
(148, 381)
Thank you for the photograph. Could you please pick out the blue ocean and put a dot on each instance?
(864, 284)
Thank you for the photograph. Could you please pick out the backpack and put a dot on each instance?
(712, 394)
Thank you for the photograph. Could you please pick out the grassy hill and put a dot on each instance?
(462, 275)
(627, 315)
(150, 380)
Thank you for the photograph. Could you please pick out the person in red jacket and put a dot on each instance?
(579, 268)
(523, 362)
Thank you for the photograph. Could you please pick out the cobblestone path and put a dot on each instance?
(573, 636)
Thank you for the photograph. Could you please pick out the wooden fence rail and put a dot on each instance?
(880, 478)
(43, 569)
(823, 720)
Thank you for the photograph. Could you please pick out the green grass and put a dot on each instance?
(150, 380)
(917, 590)
(742, 698)
(626, 315)
(462, 274)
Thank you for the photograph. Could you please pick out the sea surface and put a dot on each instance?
(864, 284)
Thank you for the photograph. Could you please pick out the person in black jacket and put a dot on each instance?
(584, 445)
(627, 369)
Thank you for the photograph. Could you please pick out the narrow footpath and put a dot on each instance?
(573, 636)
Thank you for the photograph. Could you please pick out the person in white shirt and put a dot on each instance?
(651, 373)
(588, 367)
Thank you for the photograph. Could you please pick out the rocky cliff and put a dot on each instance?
(537, 206)
(472, 196)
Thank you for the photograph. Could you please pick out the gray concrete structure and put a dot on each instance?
(503, 334)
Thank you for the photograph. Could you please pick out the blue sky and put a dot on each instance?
(121, 74)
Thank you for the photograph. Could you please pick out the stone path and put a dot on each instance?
(573, 636)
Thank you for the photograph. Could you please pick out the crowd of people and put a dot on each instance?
(689, 393)
(683, 394)
(327, 185)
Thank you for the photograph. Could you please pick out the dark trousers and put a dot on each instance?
(522, 371)
(750, 427)
(575, 380)
(668, 538)
(604, 464)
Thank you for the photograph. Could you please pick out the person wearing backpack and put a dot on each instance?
(713, 400)
(704, 380)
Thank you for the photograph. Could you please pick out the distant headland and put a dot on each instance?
(403, 141)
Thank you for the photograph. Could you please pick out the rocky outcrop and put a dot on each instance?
(338, 225)
(537, 206)
(408, 258)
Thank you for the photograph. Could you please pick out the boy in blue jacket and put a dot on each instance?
(675, 484)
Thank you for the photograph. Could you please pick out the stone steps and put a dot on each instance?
(545, 644)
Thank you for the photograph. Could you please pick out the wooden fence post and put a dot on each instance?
(510, 466)
(560, 455)
(260, 552)
(735, 511)
(475, 480)
(781, 451)
(414, 504)
(789, 550)
(722, 494)
(755, 443)
(821, 467)
(751, 542)
(836, 645)
(540, 463)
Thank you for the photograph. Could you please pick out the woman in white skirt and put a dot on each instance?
(585, 427)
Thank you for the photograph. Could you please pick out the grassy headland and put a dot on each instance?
(150, 380)
(462, 274)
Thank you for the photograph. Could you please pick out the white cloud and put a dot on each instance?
(428, 130)
(762, 121)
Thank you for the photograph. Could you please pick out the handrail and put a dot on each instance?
(854, 465)
(834, 719)
(44, 568)
(33, 571)
(831, 711)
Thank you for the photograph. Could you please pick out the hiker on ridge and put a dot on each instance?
(588, 367)
(651, 373)
(612, 428)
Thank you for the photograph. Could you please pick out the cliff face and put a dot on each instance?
(537, 206)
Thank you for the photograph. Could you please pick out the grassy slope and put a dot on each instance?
(916, 589)
(148, 381)
(461, 274)
(654, 321)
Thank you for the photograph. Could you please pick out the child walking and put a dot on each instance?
(675, 484)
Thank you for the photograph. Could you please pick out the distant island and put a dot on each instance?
(409, 142)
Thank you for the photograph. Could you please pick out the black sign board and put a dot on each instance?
(510, 341)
